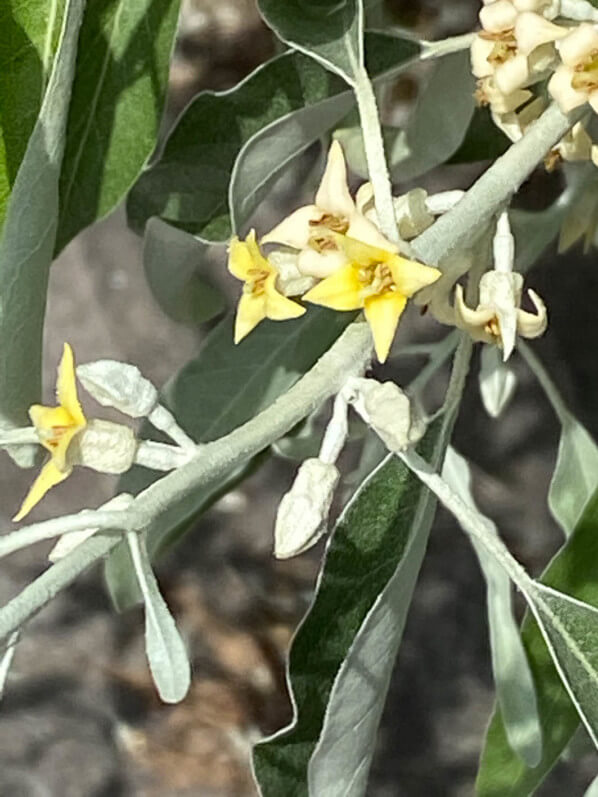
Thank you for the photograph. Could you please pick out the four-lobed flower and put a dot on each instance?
(575, 81)
(56, 429)
(377, 279)
(261, 298)
(498, 317)
(312, 229)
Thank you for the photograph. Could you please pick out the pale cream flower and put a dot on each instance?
(498, 318)
(575, 82)
(312, 229)
(514, 48)
(515, 123)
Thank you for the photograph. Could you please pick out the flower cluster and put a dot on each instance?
(333, 255)
(521, 54)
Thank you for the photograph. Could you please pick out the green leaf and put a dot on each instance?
(575, 477)
(172, 260)
(572, 571)
(165, 649)
(221, 389)
(343, 652)
(29, 34)
(438, 123)
(430, 137)
(116, 106)
(570, 628)
(512, 675)
(245, 137)
(483, 140)
(29, 235)
(535, 230)
(330, 32)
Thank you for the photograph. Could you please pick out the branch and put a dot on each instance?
(346, 357)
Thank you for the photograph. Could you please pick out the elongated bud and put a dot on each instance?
(303, 512)
(387, 410)
(119, 385)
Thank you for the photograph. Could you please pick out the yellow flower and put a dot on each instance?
(56, 427)
(260, 297)
(378, 280)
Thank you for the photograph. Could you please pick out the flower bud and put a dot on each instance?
(498, 16)
(412, 214)
(104, 446)
(387, 409)
(303, 512)
(119, 385)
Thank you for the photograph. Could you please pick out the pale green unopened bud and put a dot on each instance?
(119, 385)
(303, 512)
(387, 410)
(104, 446)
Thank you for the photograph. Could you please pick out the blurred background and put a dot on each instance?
(80, 717)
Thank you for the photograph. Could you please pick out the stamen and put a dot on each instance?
(334, 223)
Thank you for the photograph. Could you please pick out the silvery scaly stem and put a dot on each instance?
(18, 437)
(444, 201)
(374, 153)
(350, 353)
(452, 44)
(471, 521)
(161, 456)
(164, 420)
(46, 530)
(503, 245)
(494, 188)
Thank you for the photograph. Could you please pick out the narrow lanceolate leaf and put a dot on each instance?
(438, 123)
(572, 571)
(575, 477)
(332, 33)
(165, 649)
(116, 106)
(570, 628)
(227, 148)
(224, 386)
(172, 261)
(515, 689)
(29, 234)
(343, 653)
(29, 34)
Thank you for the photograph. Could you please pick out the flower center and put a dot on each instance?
(493, 328)
(505, 46)
(322, 242)
(376, 279)
(333, 222)
(51, 437)
(256, 282)
(586, 73)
